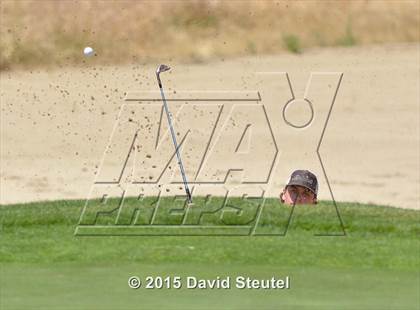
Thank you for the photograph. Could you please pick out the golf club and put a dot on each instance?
(163, 68)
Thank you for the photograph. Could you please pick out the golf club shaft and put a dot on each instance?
(168, 115)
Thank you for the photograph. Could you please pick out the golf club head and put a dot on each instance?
(162, 68)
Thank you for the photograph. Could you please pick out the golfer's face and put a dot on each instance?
(295, 194)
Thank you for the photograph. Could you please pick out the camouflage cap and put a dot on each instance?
(304, 178)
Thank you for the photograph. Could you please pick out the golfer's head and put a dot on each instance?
(301, 188)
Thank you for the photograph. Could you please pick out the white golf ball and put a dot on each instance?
(88, 51)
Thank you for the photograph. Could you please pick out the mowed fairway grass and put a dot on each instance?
(376, 265)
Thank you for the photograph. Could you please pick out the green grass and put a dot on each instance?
(292, 44)
(375, 266)
(348, 38)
